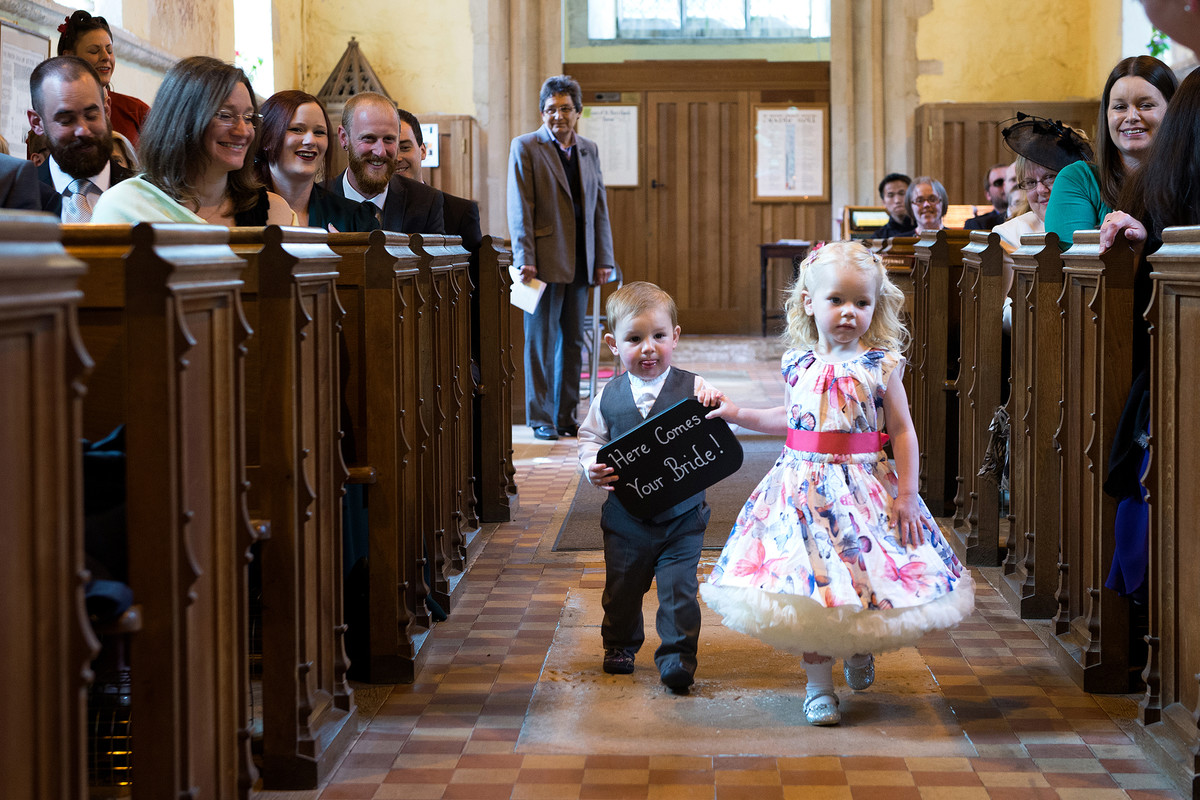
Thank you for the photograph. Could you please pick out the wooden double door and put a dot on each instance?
(691, 225)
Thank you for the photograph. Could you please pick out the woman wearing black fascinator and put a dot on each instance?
(1044, 147)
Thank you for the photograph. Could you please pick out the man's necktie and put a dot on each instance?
(76, 207)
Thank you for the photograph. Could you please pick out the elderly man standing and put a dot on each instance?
(558, 222)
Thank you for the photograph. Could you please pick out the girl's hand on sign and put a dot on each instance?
(602, 476)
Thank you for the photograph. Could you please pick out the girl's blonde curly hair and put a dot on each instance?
(886, 330)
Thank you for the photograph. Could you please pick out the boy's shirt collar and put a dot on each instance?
(645, 393)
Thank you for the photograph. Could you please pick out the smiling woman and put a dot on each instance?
(293, 154)
(205, 102)
(90, 38)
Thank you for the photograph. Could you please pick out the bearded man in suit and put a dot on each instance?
(370, 134)
(558, 223)
(71, 110)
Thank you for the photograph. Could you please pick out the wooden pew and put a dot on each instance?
(1172, 695)
(933, 359)
(1030, 579)
(161, 315)
(445, 354)
(1092, 626)
(899, 259)
(979, 390)
(45, 668)
(297, 473)
(378, 286)
(495, 474)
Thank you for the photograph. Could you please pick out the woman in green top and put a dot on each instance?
(1131, 109)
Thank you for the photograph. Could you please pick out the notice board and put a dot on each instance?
(20, 51)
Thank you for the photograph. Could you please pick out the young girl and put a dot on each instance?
(835, 554)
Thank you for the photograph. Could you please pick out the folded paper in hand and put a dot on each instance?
(525, 294)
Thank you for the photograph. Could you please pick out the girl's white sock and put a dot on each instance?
(820, 677)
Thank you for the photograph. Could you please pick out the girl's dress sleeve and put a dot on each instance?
(1075, 203)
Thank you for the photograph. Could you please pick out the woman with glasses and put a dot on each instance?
(195, 151)
(1131, 109)
(926, 201)
(294, 155)
(1044, 148)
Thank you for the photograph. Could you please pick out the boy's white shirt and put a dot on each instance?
(593, 433)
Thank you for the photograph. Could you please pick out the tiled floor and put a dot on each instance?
(452, 734)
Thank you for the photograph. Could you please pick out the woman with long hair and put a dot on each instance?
(1131, 110)
(294, 155)
(195, 152)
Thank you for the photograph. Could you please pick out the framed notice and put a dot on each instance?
(20, 52)
(791, 152)
(433, 149)
(614, 129)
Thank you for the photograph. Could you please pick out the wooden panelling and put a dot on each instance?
(958, 142)
(691, 224)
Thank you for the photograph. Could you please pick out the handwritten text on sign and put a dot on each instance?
(670, 457)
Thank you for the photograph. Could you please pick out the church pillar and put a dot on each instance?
(873, 86)
(518, 46)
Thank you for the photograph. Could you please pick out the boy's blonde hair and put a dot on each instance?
(886, 330)
(637, 298)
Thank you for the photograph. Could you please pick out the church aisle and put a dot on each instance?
(453, 733)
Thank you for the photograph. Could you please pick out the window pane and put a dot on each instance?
(781, 13)
(718, 14)
(642, 16)
(602, 19)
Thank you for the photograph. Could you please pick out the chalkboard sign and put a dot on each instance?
(670, 457)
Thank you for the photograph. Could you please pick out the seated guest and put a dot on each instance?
(1163, 192)
(194, 149)
(90, 38)
(1017, 204)
(892, 190)
(18, 184)
(1043, 147)
(1132, 106)
(68, 109)
(293, 153)
(370, 134)
(461, 216)
(926, 201)
(994, 189)
(37, 149)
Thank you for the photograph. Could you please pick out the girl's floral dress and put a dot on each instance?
(812, 563)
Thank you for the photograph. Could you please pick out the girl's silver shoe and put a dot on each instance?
(822, 709)
(859, 678)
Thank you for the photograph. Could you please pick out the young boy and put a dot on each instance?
(644, 331)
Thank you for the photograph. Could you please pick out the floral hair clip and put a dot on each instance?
(63, 27)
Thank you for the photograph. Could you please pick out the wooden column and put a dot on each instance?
(293, 420)
(1172, 690)
(979, 389)
(498, 498)
(46, 638)
(162, 317)
(1030, 580)
(1092, 624)
(900, 260)
(378, 287)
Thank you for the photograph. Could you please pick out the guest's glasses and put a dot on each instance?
(1031, 184)
(926, 201)
(229, 119)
